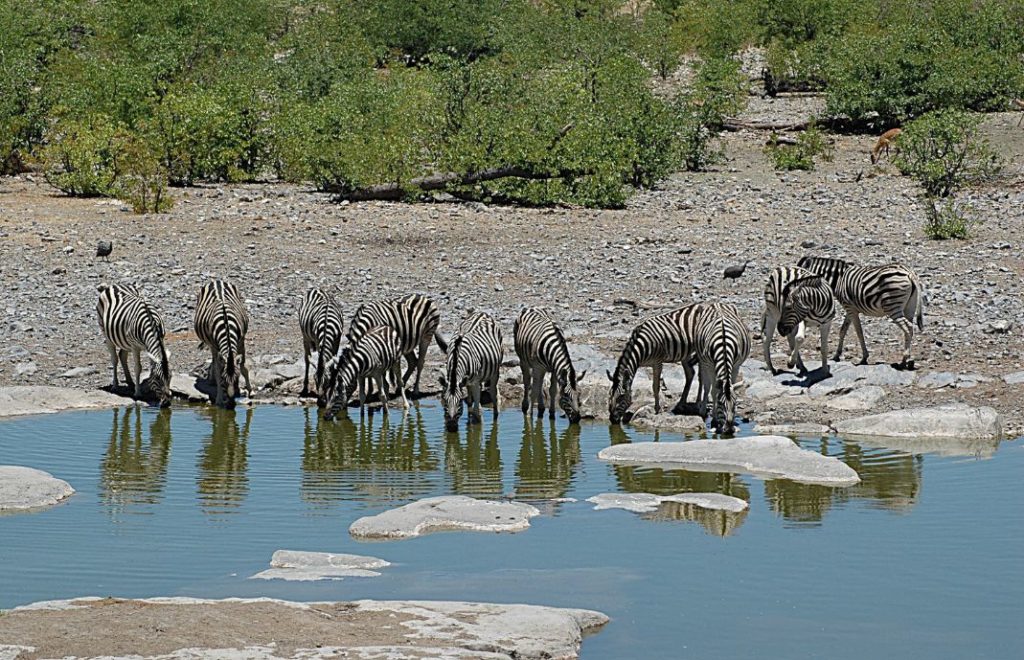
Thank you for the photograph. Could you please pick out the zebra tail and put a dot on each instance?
(441, 343)
(917, 299)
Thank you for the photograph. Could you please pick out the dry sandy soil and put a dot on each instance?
(600, 270)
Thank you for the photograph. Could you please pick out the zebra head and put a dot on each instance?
(453, 386)
(797, 302)
(569, 399)
(724, 412)
(620, 397)
(160, 377)
(339, 383)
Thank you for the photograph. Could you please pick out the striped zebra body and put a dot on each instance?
(132, 326)
(221, 323)
(723, 344)
(541, 348)
(807, 301)
(321, 323)
(414, 317)
(665, 337)
(473, 361)
(777, 281)
(891, 290)
(376, 353)
(829, 268)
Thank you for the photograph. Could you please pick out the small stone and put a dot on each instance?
(79, 372)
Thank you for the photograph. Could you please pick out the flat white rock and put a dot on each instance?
(767, 456)
(793, 428)
(447, 512)
(646, 502)
(862, 398)
(304, 566)
(950, 421)
(41, 399)
(24, 488)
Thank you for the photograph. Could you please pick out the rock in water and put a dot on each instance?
(448, 512)
(309, 566)
(24, 488)
(646, 502)
(950, 421)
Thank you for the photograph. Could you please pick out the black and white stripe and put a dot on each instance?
(807, 301)
(891, 290)
(473, 360)
(777, 281)
(830, 268)
(321, 323)
(541, 348)
(722, 345)
(376, 353)
(414, 317)
(665, 337)
(132, 326)
(221, 323)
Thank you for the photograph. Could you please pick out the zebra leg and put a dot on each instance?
(473, 388)
(113, 364)
(707, 374)
(526, 387)
(688, 370)
(860, 335)
(214, 377)
(305, 380)
(379, 377)
(552, 395)
(137, 363)
(362, 396)
(537, 392)
(823, 331)
(396, 371)
(656, 384)
(123, 357)
(842, 337)
(421, 359)
(244, 369)
(908, 337)
(796, 340)
(770, 321)
(494, 394)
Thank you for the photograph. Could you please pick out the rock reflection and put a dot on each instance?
(658, 481)
(222, 482)
(474, 469)
(547, 460)
(889, 480)
(133, 470)
(344, 459)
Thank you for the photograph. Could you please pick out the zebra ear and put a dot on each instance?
(581, 375)
(609, 374)
(443, 381)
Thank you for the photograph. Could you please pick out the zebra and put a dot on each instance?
(665, 337)
(473, 358)
(722, 345)
(221, 323)
(829, 268)
(807, 300)
(778, 279)
(131, 325)
(891, 290)
(415, 317)
(377, 352)
(541, 348)
(321, 323)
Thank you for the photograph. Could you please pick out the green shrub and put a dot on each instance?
(810, 144)
(944, 151)
(944, 221)
(416, 29)
(716, 28)
(792, 69)
(143, 180)
(82, 158)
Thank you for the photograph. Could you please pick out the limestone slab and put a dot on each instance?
(767, 456)
(949, 421)
(23, 488)
(447, 512)
(646, 502)
(299, 565)
(44, 399)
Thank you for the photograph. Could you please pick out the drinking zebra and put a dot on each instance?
(414, 317)
(131, 325)
(473, 358)
(722, 345)
(665, 337)
(376, 353)
(541, 348)
(891, 290)
(321, 324)
(221, 323)
(807, 301)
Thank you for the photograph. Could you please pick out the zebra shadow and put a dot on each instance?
(806, 379)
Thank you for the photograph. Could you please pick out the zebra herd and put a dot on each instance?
(709, 339)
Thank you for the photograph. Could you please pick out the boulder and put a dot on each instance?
(268, 629)
(937, 380)
(183, 386)
(846, 377)
(806, 429)
(862, 398)
(974, 447)
(24, 488)
(1016, 378)
(447, 512)
(645, 418)
(949, 421)
(308, 566)
(40, 399)
(768, 456)
(646, 502)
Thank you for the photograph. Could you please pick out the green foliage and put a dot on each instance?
(716, 28)
(945, 221)
(82, 157)
(719, 91)
(810, 144)
(143, 180)
(944, 151)
(659, 43)
(417, 29)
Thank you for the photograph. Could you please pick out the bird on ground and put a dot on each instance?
(104, 248)
(734, 272)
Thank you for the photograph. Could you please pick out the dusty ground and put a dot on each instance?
(600, 270)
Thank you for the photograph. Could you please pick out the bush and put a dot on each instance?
(800, 155)
(82, 158)
(143, 181)
(945, 221)
(944, 151)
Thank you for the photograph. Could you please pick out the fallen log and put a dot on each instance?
(733, 124)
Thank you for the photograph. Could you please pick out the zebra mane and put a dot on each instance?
(453, 358)
(800, 282)
(626, 353)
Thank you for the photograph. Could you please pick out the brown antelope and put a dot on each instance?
(884, 142)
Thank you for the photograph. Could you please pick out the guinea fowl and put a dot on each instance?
(104, 248)
(735, 272)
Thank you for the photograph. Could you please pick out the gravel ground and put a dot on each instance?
(599, 270)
